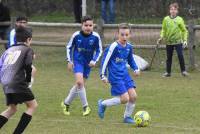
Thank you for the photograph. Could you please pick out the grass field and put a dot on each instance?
(173, 103)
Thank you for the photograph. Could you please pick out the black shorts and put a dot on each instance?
(18, 98)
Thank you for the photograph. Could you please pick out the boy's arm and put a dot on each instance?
(98, 52)
(69, 47)
(132, 62)
(28, 64)
(1, 64)
(106, 58)
(183, 30)
(163, 31)
(12, 37)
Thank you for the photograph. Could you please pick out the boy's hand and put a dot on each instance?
(70, 66)
(136, 73)
(159, 40)
(92, 63)
(184, 44)
(104, 79)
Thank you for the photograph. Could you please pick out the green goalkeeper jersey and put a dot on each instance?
(173, 30)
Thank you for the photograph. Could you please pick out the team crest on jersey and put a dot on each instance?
(91, 42)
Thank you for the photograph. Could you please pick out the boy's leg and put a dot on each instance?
(169, 50)
(72, 94)
(102, 104)
(130, 106)
(82, 93)
(77, 10)
(111, 11)
(118, 89)
(179, 50)
(5, 115)
(103, 10)
(26, 116)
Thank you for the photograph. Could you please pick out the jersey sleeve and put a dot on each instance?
(98, 51)
(183, 30)
(69, 47)
(1, 64)
(11, 38)
(163, 30)
(28, 64)
(131, 61)
(106, 58)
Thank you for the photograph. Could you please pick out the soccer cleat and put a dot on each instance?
(101, 109)
(86, 111)
(184, 73)
(65, 108)
(129, 120)
(166, 75)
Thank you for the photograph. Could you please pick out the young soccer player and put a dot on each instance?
(21, 21)
(122, 85)
(175, 34)
(83, 51)
(15, 76)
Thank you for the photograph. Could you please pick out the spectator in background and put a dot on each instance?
(77, 10)
(108, 18)
(4, 17)
(174, 34)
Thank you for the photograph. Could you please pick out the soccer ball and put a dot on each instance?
(142, 119)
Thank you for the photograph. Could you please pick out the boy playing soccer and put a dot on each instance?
(83, 51)
(122, 86)
(175, 34)
(15, 76)
(21, 21)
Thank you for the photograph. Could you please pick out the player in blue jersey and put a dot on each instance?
(21, 21)
(122, 85)
(83, 51)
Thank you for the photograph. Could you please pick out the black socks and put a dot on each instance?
(23, 123)
(3, 121)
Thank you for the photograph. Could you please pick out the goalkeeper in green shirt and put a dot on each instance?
(174, 34)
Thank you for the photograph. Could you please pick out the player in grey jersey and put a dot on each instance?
(15, 76)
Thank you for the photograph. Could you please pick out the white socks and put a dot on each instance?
(72, 94)
(129, 109)
(83, 97)
(111, 102)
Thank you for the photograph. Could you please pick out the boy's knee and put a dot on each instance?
(79, 84)
(132, 98)
(124, 100)
(35, 105)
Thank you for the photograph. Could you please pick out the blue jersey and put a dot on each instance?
(12, 38)
(115, 59)
(84, 48)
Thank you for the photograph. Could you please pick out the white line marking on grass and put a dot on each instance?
(114, 122)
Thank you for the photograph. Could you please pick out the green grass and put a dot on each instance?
(62, 16)
(173, 103)
(53, 17)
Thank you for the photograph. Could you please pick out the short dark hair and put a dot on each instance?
(175, 5)
(86, 18)
(124, 26)
(20, 18)
(23, 33)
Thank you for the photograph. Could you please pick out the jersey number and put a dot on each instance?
(12, 57)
